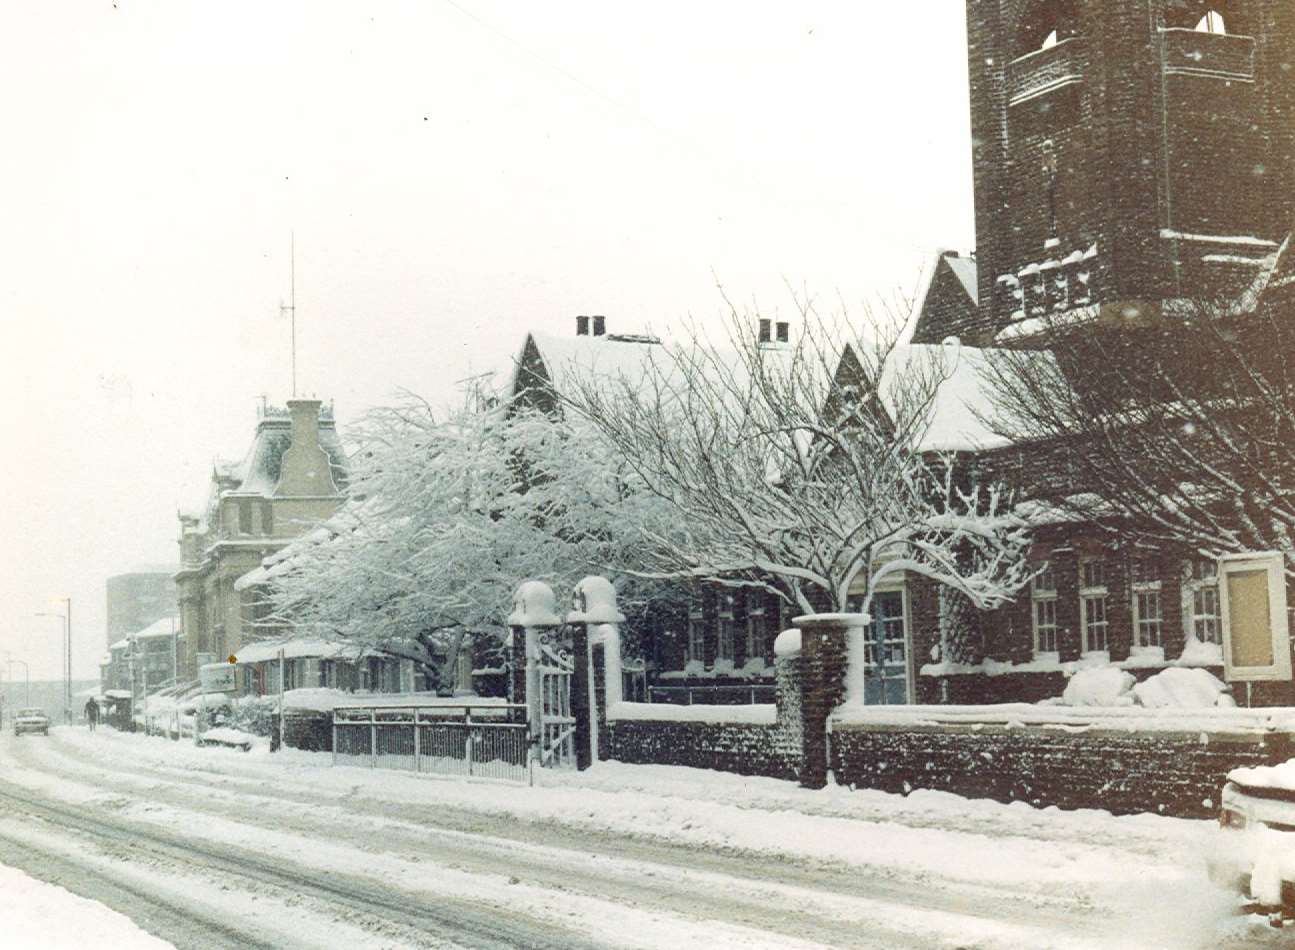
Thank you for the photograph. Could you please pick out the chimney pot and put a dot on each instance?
(783, 329)
(600, 325)
(766, 330)
(582, 326)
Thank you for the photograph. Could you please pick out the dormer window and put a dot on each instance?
(1212, 22)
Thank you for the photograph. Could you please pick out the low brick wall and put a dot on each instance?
(308, 729)
(1173, 773)
(741, 747)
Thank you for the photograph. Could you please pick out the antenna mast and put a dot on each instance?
(291, 307)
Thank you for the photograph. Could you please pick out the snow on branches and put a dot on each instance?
(801, 467)
(449, 512)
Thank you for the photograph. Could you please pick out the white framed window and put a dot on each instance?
(1252, 609)
(1043, 607)
(696, 637)
(1148, 615)
(724, 625)
(1093, 622)
(1201, 614)
(757, 633)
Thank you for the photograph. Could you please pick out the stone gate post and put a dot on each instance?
(825, 657)
(596, 620)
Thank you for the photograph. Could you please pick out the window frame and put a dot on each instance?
(696, 636)
(1141, 590)
(1092, 590)
(725, 635)
(1039, 597)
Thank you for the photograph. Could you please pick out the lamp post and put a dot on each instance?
(67, 656)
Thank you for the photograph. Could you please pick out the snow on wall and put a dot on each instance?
(761, 714)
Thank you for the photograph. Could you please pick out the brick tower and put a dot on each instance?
(1126, 153)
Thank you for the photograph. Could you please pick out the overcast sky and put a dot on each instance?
(456, 172)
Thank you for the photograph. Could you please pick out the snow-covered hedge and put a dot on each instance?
(1172, 688)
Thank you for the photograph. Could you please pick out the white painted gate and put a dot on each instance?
(556, 727)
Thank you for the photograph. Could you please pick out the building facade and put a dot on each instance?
(292, 478)
(138, 598)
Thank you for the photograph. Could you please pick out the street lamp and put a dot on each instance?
(67, 656)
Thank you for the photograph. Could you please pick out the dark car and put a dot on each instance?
(31, 720)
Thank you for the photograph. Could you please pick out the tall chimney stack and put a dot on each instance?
(582, 326)
(600, 325)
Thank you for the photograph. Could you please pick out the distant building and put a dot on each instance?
(292, 479)
(137, 598)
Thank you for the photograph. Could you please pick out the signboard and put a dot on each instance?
(1252, 601)
(217, 678)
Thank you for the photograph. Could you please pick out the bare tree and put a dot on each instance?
(801, 467)
(1177, 426)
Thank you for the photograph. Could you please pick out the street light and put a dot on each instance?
(67, 656)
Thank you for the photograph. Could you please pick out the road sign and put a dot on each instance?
(217, 678)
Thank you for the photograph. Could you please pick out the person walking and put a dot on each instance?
(92, 713)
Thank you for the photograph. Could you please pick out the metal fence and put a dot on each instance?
(482, 741)
(713, 695)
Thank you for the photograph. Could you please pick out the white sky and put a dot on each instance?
(456, 172)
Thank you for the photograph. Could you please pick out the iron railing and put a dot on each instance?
(478, 741)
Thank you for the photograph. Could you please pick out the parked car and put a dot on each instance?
(1255, 851)
(31, 720)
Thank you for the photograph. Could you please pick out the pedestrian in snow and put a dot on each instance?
(92, 713)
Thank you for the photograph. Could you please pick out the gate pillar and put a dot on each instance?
(596, 621)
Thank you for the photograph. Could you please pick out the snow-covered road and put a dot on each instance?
(217, 848)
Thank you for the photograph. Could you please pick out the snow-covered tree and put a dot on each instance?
(800, 467)
(450, 513)
(1177, 426)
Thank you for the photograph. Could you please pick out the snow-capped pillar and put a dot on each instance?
(534, 612)
(595, 620)
(825, 661)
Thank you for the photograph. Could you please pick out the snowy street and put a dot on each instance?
(218, 848)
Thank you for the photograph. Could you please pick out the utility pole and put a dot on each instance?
(67, 683)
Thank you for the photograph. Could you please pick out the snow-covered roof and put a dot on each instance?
(160, 628)
(295, 648)
(120, 644)
(954, 425)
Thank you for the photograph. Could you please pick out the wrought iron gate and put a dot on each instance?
(556, 726)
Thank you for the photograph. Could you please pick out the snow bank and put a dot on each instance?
(761, 714)
(1107, 686)
(223, 735)
(37, 914)
(1172, 688)
(1267, 776)
(1183, 689)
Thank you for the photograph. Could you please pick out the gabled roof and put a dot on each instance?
(946, 301)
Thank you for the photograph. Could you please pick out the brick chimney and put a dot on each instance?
(305, 468)
(582, 326)
(600, 325)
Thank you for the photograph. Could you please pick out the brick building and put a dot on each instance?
(1125, 154)
(1127, 158)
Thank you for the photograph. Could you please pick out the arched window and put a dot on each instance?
(1212, 22)
(1044, 24)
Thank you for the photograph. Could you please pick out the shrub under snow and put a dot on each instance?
(1172, 688)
